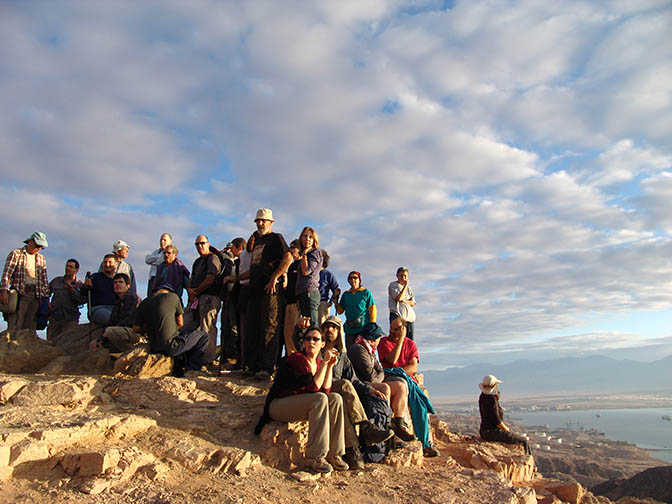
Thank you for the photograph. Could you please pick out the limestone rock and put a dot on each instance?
(234, 460)
(90, 463)
(140, 362)
(24, 352)
(66, 391)
(95, 486)
(9, 386)
(509, 460)
(570, 492)
(411, 456)
(88, 362)
(284, 444)
(77, 340)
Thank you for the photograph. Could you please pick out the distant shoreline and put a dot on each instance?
(627, 400)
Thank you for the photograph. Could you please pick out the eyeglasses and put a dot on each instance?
(201, 243)
(353, 278)
(312, 338)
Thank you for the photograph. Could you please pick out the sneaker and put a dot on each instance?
(353, 457)
(371, 434)
(431, 451)
(319, 465)
(337, 463)
(399, 428)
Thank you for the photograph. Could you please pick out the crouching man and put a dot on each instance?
(161, 318)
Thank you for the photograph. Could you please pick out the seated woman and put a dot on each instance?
(493, 427)
(302, 391)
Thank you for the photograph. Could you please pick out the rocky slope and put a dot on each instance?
(654, 483)
(155, 438)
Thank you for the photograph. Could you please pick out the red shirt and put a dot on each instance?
(408, 350)
(299, 363)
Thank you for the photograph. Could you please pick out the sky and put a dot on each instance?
(516, 156)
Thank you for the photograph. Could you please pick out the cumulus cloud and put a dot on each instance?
(514, 155)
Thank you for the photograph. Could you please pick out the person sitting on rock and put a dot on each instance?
(346, 383)
(65, 301)
(399, 357)
(119, 336)
(161, 318)
(302, 391)
(363, 357)
(493, 427)
(120, 252)
(100, 286)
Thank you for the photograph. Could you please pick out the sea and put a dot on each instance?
(644, 427)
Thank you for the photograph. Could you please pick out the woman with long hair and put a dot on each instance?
(302, 391)
(308, 278)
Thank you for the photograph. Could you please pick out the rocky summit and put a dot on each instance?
(77, 427)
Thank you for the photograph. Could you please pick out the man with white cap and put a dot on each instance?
(120, 251)
(493, 427)
(26, 271)
(270, 259)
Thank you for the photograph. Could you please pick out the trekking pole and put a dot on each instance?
(88, 307)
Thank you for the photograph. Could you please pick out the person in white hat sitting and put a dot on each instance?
(493, 427)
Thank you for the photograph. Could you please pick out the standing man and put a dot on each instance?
(161, 318)
(401, 300)
(171, 271)
(270, 259)
(26, 271)
(155, 258)
(65, 301)
(230, 338)
(203, 293)
(120, 252)
(101, 286)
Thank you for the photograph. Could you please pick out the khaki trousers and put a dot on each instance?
(353, 411)
(208, 308)
(324, 413)
(25, 316)
(323, 312)
(121, 339)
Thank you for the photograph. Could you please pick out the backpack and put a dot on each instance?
(380, 413)
(226, 269)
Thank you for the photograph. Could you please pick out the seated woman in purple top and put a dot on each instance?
(308, 278)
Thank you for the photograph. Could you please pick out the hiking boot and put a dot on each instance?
(396, 444)
(370, 434)
(319, 465)
(431, 451)
(262, 375)
(337, 463)
(353, 457)
(400, 429)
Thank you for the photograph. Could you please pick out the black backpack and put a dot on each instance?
(380, 413)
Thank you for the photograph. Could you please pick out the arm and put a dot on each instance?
(282, 267)
(155, 258)
(401, 293)
(372, 313)
(179, 320)
(393, 355)
(412, 367)
(204, 285)
(7, 274)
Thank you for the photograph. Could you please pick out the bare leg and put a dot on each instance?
(399, 402)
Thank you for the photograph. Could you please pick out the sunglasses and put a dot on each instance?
(200, 243)
(312, 338)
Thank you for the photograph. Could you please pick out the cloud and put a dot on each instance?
(514, 155)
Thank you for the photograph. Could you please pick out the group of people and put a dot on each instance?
(354, 385)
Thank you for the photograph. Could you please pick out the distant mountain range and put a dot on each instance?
(569, 375)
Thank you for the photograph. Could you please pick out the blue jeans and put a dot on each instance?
(101, 314)
(309, 302)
